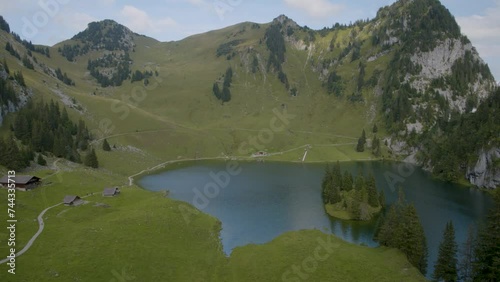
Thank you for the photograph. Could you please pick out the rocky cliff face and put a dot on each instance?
(438, 63)
(23, 96)
(486, 172)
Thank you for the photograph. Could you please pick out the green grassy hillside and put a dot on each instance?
(175, 117)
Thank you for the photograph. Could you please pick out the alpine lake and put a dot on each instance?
(258, 201)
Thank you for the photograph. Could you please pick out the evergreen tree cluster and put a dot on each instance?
(9, 48)
(7, 91)
(27, 63)
(460, 137)
(107, 35)
(226, 49)
(255, 64)
(18, 76)
(479, 254)
(465, 72)
(31, 47)
(110, 70)
(13, 156)
(426, 23)
(4, 25)
(225, 95)
(358, 196)
(276, 44)
(486, 260)
(43, 127)
(140, 76)
(334, 84)
(64, 77)
(70, 52)
(401, 228)
(446, 264)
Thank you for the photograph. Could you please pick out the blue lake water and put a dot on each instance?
(257, 202)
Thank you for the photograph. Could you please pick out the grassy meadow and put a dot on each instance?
(145, 236)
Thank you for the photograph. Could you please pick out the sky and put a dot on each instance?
(51, 21)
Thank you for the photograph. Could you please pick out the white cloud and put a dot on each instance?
(197, 2)
(73, 21)
(79, 21)
(139, 21)
(483, 30)
(316, 8)
(107, 2)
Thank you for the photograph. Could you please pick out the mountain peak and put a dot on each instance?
(108, 35)
(285, 21)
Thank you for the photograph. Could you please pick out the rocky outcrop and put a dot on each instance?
(438, 63)
(486, 172)
(23, 95)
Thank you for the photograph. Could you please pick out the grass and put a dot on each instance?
(276, 261)
(145, 235)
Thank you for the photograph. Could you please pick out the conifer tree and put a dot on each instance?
(41, 161)
(375, 128)
(372, 191)
(376, 146)
(216, 91)
(91, 159)
(445, 268)
(401, 229)
(347, 181)
(487, 251)
(359, 183)
(467, 256)
(381, 198)
(361, 142)
(105, 146)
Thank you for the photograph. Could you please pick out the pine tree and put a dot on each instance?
(445, 268)
(326, 185)
(361, 142)
(41, 161)
(401, 229)
(375, 128)
(467, 256)
(359, 183)
(347, 181)
(5, 66)
(376, 146)
(336, 198)
(414, 241)
(372, 192)
(487, 251)
(226, 94)
(381, 198)
(355, 210)
(105, 146)
(216, 91)
(91, 159)
(337, 176)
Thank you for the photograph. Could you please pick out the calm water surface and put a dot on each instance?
(263, 200)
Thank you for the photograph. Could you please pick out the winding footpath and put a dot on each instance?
(41, 225)
(32, 240)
